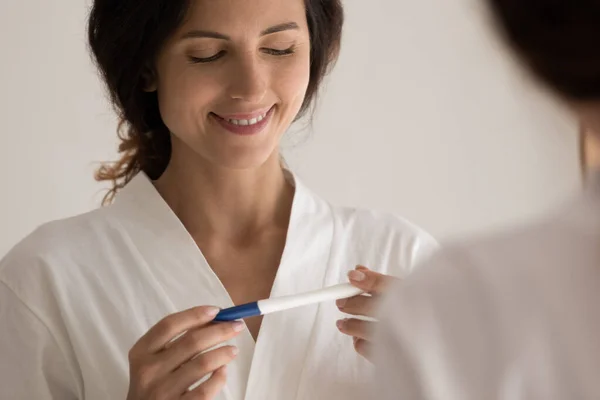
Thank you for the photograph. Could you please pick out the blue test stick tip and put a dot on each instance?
(238, 312)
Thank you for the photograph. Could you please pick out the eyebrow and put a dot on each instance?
(280, 28)
(194, 34)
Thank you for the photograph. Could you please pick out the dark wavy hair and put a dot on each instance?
(125, 37)
(559, 40)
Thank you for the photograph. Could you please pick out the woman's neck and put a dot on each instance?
(231, 204)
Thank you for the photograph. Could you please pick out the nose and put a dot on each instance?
(248, 80)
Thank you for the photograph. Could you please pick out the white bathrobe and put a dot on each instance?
(511, 316)
(78, 293)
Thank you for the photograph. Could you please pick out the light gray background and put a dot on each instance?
(424, 115)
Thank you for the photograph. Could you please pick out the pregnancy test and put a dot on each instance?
(268, 306)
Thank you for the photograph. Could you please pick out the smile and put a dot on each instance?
(252, 121)
(245, 124)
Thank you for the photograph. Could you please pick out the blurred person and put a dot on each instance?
(512, 315)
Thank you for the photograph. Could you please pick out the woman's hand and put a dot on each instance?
(166, 361)
(374, 284)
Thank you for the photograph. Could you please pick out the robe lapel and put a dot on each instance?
(285, 338)
(182, 279)
(176, 268)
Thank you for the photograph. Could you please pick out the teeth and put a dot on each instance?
(246, 122)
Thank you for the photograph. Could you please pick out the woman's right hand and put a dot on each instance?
(163, 368)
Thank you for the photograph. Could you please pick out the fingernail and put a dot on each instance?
(357, 276)
(361, 268)
(239, 326)
(235, 351)
(340, 324)
(341, 303)
(212, 311)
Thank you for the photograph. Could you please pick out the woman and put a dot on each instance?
(513, 315)
(119, 302)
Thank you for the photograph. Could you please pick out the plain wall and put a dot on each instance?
(424, 115)
(427, 115)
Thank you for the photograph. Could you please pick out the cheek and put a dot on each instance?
(292, 81)
(185, 97)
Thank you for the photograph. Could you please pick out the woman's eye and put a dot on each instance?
(202, 60)
(275, 52)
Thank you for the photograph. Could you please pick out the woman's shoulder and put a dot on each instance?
(57, 242)
(378, 219)
(387, 242)
(364, 219)
(381, 224)
(371, 229)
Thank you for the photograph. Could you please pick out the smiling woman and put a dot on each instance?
(194, 48)
(120, 302)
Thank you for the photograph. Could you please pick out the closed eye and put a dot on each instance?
(275, 52)
(202, 60)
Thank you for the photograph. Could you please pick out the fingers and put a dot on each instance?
(172, 326)
(358, 305)
(190, 373)
(210, 388)
(370, 281)
(196, 341)
(361, 332)
(177, 353)
(363, 348)
(357, 328)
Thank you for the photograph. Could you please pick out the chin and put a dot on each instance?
(240, 159)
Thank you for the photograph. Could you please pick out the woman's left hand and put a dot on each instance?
(374, 284)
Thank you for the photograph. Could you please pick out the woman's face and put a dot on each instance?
(232, 78)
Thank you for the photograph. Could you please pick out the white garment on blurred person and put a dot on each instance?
(512, 316)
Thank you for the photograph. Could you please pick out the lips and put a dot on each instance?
(245, 124)
(246, 121)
